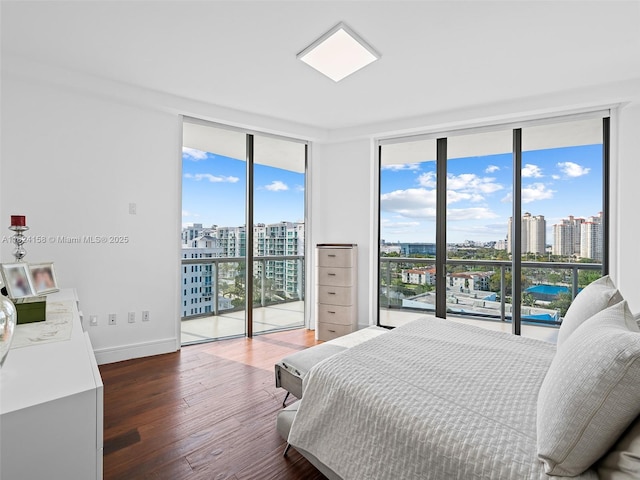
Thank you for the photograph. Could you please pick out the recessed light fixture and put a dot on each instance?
(339, 53)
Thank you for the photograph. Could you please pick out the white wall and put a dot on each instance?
(341, 211)
(627, 195)
(72, 163)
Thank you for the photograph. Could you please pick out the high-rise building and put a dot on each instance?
(284, 276)
(197, 280)
(233, 240)
(566, 236)
(534, 234)
(279, 240)
(591, 238)
(190, 233)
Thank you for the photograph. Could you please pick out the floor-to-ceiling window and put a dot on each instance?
(238, 280)
(549, 175)
(407, 228)
(279, 239)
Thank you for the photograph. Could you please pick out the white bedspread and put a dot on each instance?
(433, 399)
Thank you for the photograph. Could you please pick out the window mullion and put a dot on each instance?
(516, 233)
(441, 228)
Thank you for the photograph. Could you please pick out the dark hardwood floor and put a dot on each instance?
(206, 412)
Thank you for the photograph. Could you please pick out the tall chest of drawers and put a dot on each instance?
(337, 305)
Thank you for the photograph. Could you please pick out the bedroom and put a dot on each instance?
(92, 97)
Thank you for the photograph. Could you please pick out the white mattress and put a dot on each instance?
(432, 399)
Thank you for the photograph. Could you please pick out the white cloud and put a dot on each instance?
(212, 178)
(427, 180)
(421, 203)
(571, 169)
(186, 213)
(399, 227)
(536, 191)
(478, 213)
(491, 169)
(193, 154)
(403, 166)
(299, 188)
(555, 177)
(469, 183)
(411, 203)
(531, 171)
(454, 196)
(276, 186)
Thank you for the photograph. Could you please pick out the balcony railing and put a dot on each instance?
(391, 268)
(223, 264)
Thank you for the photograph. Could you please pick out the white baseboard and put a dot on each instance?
(138, 350)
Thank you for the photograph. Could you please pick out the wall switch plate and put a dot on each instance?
(133, 209)
(112, 319)
(93, 320)
(132, 317)
(145, 316)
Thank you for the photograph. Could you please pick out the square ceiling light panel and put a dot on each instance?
(339, 53)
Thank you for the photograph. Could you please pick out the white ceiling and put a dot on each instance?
(437, 56)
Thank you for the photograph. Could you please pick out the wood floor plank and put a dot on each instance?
(208, 411)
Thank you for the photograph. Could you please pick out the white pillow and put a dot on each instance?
(622, 462)
(591, 392)
(592, 299)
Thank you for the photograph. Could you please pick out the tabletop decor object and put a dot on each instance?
(19, 226)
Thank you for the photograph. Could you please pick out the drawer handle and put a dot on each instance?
(332, 331)
(331, 293)
(331, 255)
(331, 274)
(329, 311)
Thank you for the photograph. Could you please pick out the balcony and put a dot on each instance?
(277, 305)
(478, 291)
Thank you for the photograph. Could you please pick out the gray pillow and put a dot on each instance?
(591, 392)
(594, 298)
(622, 462)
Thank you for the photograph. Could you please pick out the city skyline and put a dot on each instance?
(556, 183)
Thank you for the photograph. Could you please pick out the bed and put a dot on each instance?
(435, 399)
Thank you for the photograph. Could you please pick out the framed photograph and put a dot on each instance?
(43, 277)
(17, 280)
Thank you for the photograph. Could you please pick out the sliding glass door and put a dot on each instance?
(550, 176)
(236, 280)
(279, 239)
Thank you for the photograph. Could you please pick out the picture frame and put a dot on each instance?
(43, 277)
(17, 280)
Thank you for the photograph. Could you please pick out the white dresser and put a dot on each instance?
(337, 294)
(51, 405)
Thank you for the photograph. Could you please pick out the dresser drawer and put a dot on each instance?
(329, 331)
(335, 257)
(335, 295)
(341, 277)
(337, 314)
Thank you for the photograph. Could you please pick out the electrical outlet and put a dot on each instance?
(93, 320)
(112, 319)
(132, 317)
(145, 316)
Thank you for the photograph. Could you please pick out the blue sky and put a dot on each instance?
(556, 183)
(213, 191)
